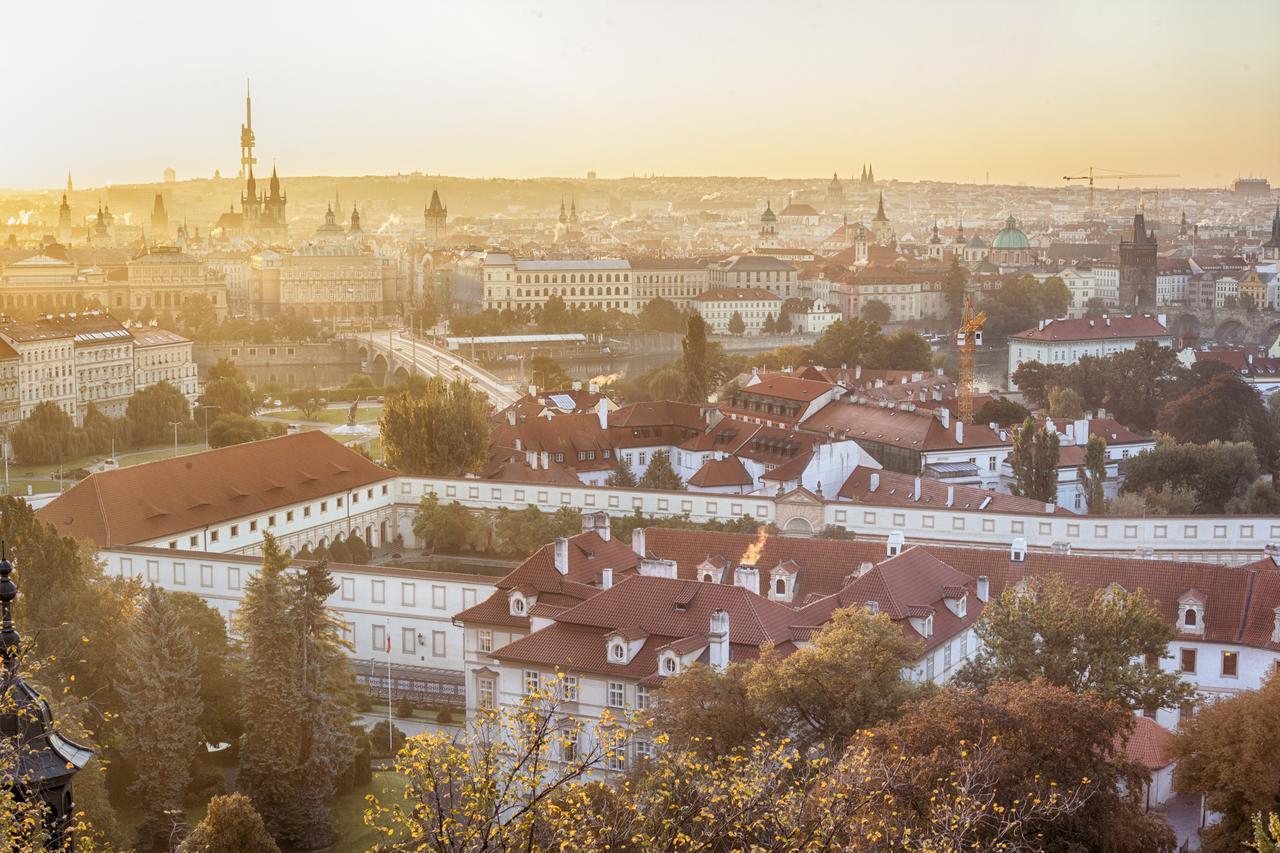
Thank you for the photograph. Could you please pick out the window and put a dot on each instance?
(437, 597)
(946, 657)
(568, 745)
(408, 641)
(271, 521)
(349, 633)
(617, 693)
(153, 571)
(485, 692)
(348, 589)
(1189, 660)
(617, 760)
(486, 640)
(288, 516)
(964, 645)
(531, 681)
(233, 577)
(928, 667)
(408, 594)
(306, 512)
(206, 576)
(669, 665)
(517, 605)
(235, 530)
(253, 526)
(570, 688)
(468, 598)
(379, 592)
(644, 749)
(1185, 712)
(324, 506)
(616, 652)
(1230, 664)
(180, 574)
(1189, 618)
(438, 644)
(213, 536)
(379, 638)
(642, 697)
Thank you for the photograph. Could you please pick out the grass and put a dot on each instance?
(44, 478)
(364, 415)
(348, 811)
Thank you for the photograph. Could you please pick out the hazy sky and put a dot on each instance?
(1026, 91)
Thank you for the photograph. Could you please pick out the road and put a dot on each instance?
(432, 361)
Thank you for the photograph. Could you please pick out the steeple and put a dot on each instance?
(563, 216)
(1182, 226)
(573, 210)
(355, 218)
(871, 174)
(246, 134)
(68, 182)
(275, 182)
(863, 179)
(880, 217)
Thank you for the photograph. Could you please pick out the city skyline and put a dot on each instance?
(953, 94)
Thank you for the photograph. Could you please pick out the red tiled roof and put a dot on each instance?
(914, 430)
(787, 387)
(1149, 744)
(1085, 329)
(721, 472)
(897, 489)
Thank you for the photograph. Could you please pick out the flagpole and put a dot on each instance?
(390, 739)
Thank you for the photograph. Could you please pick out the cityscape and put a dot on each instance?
(625, 437)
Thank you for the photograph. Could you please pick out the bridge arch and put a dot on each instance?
(1185, 326)
(1230, 330)
(1270, 335)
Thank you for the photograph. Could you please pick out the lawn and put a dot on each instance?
(44, 478)
(348, 811)
(364, 415)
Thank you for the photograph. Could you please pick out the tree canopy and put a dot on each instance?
(443, 432)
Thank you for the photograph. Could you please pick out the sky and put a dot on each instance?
(1013, 92)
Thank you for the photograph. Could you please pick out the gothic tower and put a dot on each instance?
(768, 228)
(159, 218)
(436, 218)
(1138, 267)
(64, 221)
(246, 136)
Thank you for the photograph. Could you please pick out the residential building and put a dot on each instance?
(754, 305)
(756, 272)
(677, 280)
(518, 284)
(104, 371)
(1065, 341)
(163, 356)
(46, 364)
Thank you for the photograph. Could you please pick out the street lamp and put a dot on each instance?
(206, 407)
(175, 425)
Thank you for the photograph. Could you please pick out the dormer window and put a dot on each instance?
(1190, 617)
(1191, 606)
(780, 587)
(670, 665)
(928, 626)
(706, 577)
(962, 607)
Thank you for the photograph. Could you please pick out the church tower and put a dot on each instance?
(64, 221)
(435, 217)
(881, 230)
(768, 229)
(159, 218)
(354, 232)
(246, 136)
(1138, 267)
(1271, 248)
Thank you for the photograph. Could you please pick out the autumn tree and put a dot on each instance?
(706, 711)
(849, 677)
(1092, 474)
(445, 432)
(660, 474)
(1034, 459)
(160, 687)
(230, 823)
(1064, 404)
(1226, 408)
(1045, 628)
(1230, 750)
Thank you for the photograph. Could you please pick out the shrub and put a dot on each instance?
(404, 707)
(378, 740)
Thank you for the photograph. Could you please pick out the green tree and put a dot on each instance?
(198, 317)
(876, 311)
(954, 288)
(1035, 380)
(850, 342)
(1230, 750)
(707, 711)
(1034, 459)
(1048, 629)
(1064, 404)
(848, 678)
(696, 361)
(1263, 498)
(218, 667)
(621, 476)
(1095, 308)
(160, 688)
(659, 474)
(547, 374)
(906, 350)
(1092, 473)
(1166, 500)
(224, 368)
(1001, 411)
(1215, 473)
(226, 430)
(229, 396)
(46, 436)
(661, 315)
(554, 316)
(441, 527)
(445, 432)
(668, 383)
(736, 324)
(1220, 410)
(339, 552)
(151, 410)
(230, 823)
(769, 326)
(360, 554)
(297, 696)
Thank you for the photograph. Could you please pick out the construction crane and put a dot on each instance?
(968, 338)
(1108, 175)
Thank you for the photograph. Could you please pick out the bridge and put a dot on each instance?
(397, 354)
(1224, 325)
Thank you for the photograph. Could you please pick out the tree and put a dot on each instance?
(547, 374)
(876, 311)
(1001, 411)
(1048, 629)
(1220, 410)
(360, 554)
(1064, 404)
(1215, 473)
(445, 432)
(1095, 308)
(227, 430)
(696, 360)
(1266, 833)
(339, 552)
(736, 324)
(441, 527)
(224, 368)
(1034, 459)
(231, 823)
(554, 315)
(668, 383)
(1263, 498)
(906, 350)
(1092, 474)
(850, 342)
(151, 410)
(229, 396)
(621, 476)
(660, 474)
(849, 678)
(1230, 750)
(46, 436)
(198, 317)
(217, 667)
(524, 531)
(160, 688)
(297, 698)
(1035, 380)
(1167, 500)
(706, 711)
(661, 315)
(1021, 303)
(954, 287)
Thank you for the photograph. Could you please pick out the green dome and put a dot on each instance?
(1011, 237)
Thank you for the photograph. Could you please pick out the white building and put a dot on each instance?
(513, 284)
(753, 304)
(756, 271)
(1066, 341)
(46, 365)
(163, 356)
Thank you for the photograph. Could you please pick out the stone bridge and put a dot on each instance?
(1225, 325)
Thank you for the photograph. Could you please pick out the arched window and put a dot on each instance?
(616, 652)
(669, 664)
(1189, 619)
(518, 605)
(780, 586)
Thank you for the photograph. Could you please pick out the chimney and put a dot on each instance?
(747, 577)
(857, 371)
(598, 523)
(1275, 629)
(637, 541)
(875, 480)
(984, 588)
(1163, 320)
(602, 412)
(718, 640)
(606, 578)
(959, 431)
(915, 491)
(1107, 320)
(577, 385)
(653, 568)
(945, 414)
(511, 417)
(951, 496)
(533, 390)
(894, 546)
(546, 460)
(562, 555)
(593, 387)
(1018, 550)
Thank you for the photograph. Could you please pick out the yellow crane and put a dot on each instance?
(1101, 174)
(968, 338)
